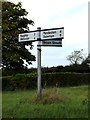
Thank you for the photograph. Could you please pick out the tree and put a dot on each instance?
(86, 62)
(76, 57)
(14, 21)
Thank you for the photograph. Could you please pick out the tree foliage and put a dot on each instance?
(14, 21)
(86, 62)
(76, 57)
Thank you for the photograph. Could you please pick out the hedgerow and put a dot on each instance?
(29, 81)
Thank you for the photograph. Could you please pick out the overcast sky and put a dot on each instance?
(70, 14)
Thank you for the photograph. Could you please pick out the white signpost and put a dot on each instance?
(52, 34)
(32, 36)
(46, 34)
(46, 37)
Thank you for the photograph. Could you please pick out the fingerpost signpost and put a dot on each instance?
(46, 37)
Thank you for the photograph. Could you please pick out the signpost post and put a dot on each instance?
(47, 37)
(39, 62)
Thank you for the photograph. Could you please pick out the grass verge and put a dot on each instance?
(67, 102)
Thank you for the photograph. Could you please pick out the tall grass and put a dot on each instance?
(68, 102)
(50, 96)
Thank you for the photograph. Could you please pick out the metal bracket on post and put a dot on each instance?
(39, 62)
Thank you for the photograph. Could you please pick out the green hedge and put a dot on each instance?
(29, 81)
(19, 81)
(66, 79)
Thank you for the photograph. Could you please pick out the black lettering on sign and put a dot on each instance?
(24, 38)
(25, 35)
(52, 32)
(55, 42)
(46, 36)
(49, 34)
(46, 42)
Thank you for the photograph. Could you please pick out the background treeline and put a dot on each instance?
(69, 68)
(58, 79)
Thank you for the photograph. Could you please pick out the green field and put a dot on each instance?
(65, 102)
